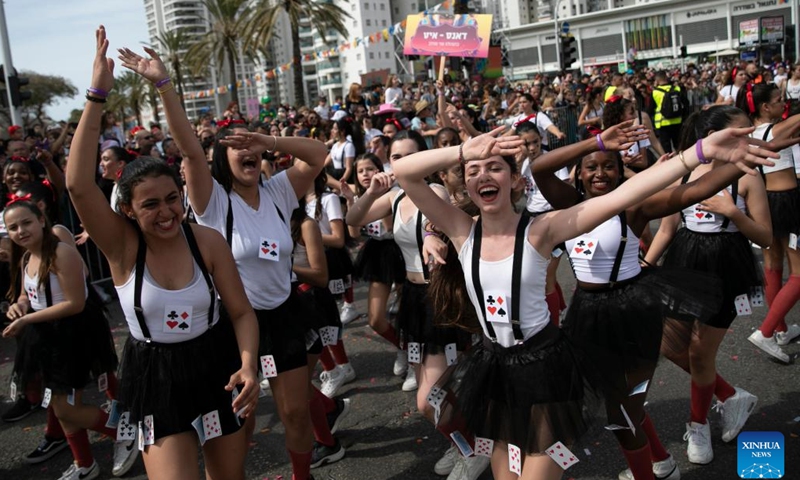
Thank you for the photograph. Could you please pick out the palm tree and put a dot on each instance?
(226, 35)
(132, 86)
(322, 15)
(174, 44)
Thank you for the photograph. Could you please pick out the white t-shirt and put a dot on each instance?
(266, 276)
(542, 122)
(340, 151)
(729, 92)
(324, 111)
(393, 95)
(536, 202)
(331, 210)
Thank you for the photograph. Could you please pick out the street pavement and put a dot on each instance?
(387, 440)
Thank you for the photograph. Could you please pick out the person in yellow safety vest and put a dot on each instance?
(616, 82)
(667, 121)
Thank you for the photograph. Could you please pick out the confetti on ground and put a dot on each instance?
(587, 452)
(735, 357)
(264, 430)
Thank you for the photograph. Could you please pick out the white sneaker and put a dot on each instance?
(664, 470)
(347, 372)
(264, 384)
(735, 412)
(410, 383)
(348, 313)
(74, 472)
(469, 468)
(335, 380)
(125, 454)
(768, 345)
(400, 364)
(785, 338)
(445, 464)
(699, 437)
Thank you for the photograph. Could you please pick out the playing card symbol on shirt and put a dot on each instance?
(514, 459)
(329, 335)
(177, 319)
(703, 216)
(375, 229)
(268, 366)
(32, 293)
(584, 248)
(742, 305)
(125, 429)
(484, 446)
(562, 456)
(211, 425)
(496, 304)
(269, 249)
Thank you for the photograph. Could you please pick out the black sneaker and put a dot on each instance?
(47, 448)
(323, 454)
(336, 416)
(21, 409)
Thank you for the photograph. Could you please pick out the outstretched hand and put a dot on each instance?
(103, 67)
(152, 69)
(622, 136)
(249, 143)
(489, 144)
(734, 145)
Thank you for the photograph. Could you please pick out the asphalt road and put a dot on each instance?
(387, 440)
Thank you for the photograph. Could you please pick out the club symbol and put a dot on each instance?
(172, 315)
(265, 244)
(490, 300)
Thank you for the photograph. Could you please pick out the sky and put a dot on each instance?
(56, 37)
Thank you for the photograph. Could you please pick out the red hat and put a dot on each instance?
(14, 129)
(136, 129)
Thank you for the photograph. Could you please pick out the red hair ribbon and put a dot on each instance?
(132, 153)
(136, 129)
(751, 105)
(13, 198)
(228, 122)
(614, 99)
(396, 123)
(19, 159)
(785, 111)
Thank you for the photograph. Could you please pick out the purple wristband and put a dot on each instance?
(99, 92)
(600, 144)
(163, 82)
(698, 149)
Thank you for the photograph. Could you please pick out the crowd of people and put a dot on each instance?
(234, 245)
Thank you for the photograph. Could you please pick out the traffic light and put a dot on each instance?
(15, 83)
(683, 51)
(567, 52)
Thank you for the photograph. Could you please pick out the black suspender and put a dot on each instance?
(516, 277)
(623, 241)
(229, 220)
(141, 255)
(425, 272)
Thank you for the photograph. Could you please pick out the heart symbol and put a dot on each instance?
(564, 463)
(578, 250)
(172, 323)
(492, 309)
(699, 215)
(560, 454)
(264, 250)
(552, 451)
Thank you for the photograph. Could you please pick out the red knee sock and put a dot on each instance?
(339, 353)
(322, 432)
(53, 429)
(773, 281)
(639, 463)
(784, 301)
(390, 334)
(100, 426)
(81, 452)
(113, 386)
(554, 306)
(328, 403)
(562, 303)
(723, 390)
(348, 295)
(326, 360)
(657, 450)
(301, 465)
(701, 401)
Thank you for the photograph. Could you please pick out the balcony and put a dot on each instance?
(331, 82)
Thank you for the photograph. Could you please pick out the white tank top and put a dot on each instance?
(405, 235)
(496, 282)
(37, 294)
(536, 202)
(786, 160)
(162, 308)
(606, 237)
(793, 90)
(377, 229)
(697, 221)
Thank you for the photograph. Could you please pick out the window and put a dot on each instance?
(386, 55)
(368, 22)
(396, 11)
(366, 6)
(383, 23)
(413, 7)
(383, 7)
(371, 56)
(358, 56)
(355, 23)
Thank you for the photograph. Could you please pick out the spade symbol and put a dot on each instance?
(273, 253)
(501, 312)
(490, 300)
(183, 326)
(587, 252)
(708, 215)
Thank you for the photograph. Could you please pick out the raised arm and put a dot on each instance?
(108, 230)
(375, 204)
(787, 128)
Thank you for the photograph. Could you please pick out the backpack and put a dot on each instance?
(672, 104)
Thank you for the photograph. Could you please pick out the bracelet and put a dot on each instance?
(275, 146)
(97, 92)
(600, 144)
(698, 149)
(95, 99)
(163, 82)
(683, 161)
(430, 234)
(162, 91)
(461, 155)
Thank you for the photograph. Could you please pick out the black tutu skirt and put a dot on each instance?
(282, 334)
(530, 395)
(784, 208)
(380, 261)
(65, 353)
(415, 323)
(177, 382)
(726, 255)
(339, 263)
(321, 311)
